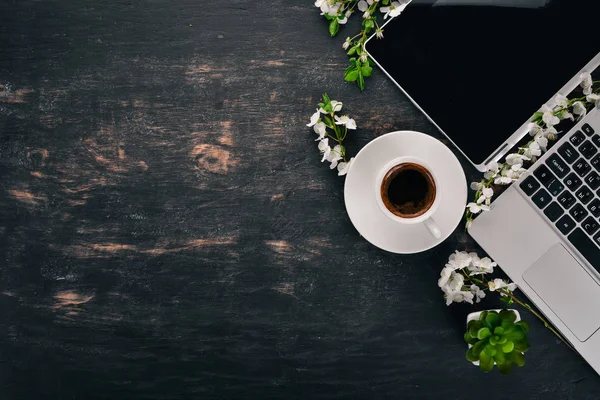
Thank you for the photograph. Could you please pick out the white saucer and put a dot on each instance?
(360, 192)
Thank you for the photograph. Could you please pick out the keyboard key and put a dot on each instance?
(588, 129)
(572, 181)
(541, 198)
(594, 208)
(578, 212)
(565, 224)
(544, 175)
(596, 162)
(555, 187)
(568, 153)
(597, 240)
(588, 149)
(586, 247)
(593, 180)
(557, 165)
(596, 140)
(530, 185)
(590, 225)
(553, 211)
(584, 195)
(577, 138)
(566, 200)
(582, 167)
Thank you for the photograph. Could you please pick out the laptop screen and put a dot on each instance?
(481, 68)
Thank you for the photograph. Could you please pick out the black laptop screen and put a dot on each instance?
(481, 71)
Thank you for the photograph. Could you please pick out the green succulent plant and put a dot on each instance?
(497, 339)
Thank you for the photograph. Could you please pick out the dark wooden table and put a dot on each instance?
(168, 232)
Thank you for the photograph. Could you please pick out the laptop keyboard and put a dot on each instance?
(566, 186)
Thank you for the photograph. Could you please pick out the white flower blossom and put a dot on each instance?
(468, 224)
(477, 292)
(476, 185)
(586, 83)
(492, 171)
(551, 133)
(345, 120)
(314, 118)
(548, 116)
(477, 208)
(363, 57)
(344, 167)
(484, 266)
(594, 98)
(347, 44)
(459, 297)
(444, 277)
(320, 129)
(459, 260)
(579, 110)
(542, 142)
(486, 196)
(498, 284)
(334, 156)
(363, 5)
(379, 33)
(514, 159)
(535, 129)
(560, 101)
(533, 151)
(336, 105)
(393, 10)
(324, 149)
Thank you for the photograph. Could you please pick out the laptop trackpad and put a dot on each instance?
(566, 287)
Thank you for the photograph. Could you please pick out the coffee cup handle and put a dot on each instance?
(433, 228)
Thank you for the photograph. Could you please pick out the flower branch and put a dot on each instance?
(542, 128)
(328, 125)
(338, 12)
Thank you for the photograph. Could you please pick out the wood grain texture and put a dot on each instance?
(168, 232)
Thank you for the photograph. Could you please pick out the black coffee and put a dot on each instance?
(408, 190)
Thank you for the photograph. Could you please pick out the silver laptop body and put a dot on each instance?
(544, 241)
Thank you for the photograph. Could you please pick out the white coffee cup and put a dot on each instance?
(424, 218)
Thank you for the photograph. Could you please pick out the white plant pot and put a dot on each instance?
(475, 315)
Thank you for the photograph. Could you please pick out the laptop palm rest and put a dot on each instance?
(566, 287)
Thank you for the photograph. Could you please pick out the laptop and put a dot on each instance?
(479, 70)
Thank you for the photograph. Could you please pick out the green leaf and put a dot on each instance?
(483, 333)
(478, 348)
(514, 334)
(361, 82)
(499, 357)
(498, 330)
(537, 115)
(486, 363)
(327, 120)
(508, 347)
(334, 27)
(492, 319)
(326, 98)
(505, 368)
(524, 325)
(519, 359)
(502, 340)
(489, 350)
(353, 50)
(366, 70)
(494, 340)
(351, 76)
(469, 339)
(472, 357)
(521, 346)
(506, 315)
(369, 24)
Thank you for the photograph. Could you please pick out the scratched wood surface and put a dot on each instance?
(168, 232)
